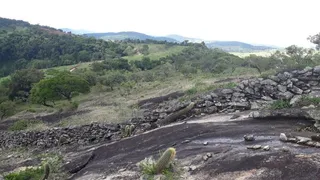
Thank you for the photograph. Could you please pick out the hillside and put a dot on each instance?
(127, 35)
(236, 46)
(25, 45)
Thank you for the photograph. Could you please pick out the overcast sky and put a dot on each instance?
(273, 22)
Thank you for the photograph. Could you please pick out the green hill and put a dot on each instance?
(24, 45)
(236, 46)
(128, 35)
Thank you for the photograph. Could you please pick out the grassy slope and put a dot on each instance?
(106, 106)
(156, 51)
(258, 53)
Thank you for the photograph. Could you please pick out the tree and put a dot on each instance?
(6, 109)
(21, 83)
(114, 78)
(315, 40)
(61, 86)
(145, 49)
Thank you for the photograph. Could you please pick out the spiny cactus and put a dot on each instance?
(127, 131)
(46, 168)
(173, 117)
(165, 159)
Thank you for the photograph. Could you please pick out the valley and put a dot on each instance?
(107, 106)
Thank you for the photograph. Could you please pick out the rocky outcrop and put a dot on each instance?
(254, 93)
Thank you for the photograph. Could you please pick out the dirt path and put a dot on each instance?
(231, 158)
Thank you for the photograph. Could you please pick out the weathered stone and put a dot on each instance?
(285, 95)
(282, 88)
(295, 99)
(205, 157)
(313, 83)
(266, 148)
(205, 143)
(249, 90)
(192, 168)
(283, 137)
(210, 110)
(302, 140)
(296, 90)
(268, 82)
(226, 91)
(255, 147)
(209, 155)
(249, 137)
(208, 103)
(266, 98)
(316, 70)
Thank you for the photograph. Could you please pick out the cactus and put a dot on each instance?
(172, 117)
(127, 130)
(165, 159)
(46, 168)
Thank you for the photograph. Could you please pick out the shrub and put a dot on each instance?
(280, 104)
(22, 125)
(307, 101)
(28, 174)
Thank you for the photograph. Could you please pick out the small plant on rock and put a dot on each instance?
(280, 104)
(307, 101)
(164, 166)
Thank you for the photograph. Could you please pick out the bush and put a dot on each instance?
(307, 101)
(280, 104)
(28, 174)
(22, 125)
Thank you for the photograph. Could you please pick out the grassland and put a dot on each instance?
(258, 53)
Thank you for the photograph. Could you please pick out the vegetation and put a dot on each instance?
(62, 86)
(6, 109)
(280, 104)
(32, 46)
(27, 174)
(307, 101)
(165, 166)
(23, 125)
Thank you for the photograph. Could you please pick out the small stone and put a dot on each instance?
(266, 148)
(185, 141)
(255, 147)
(235, 116)
(249, 137)
(283, 137)
(209, 155)
(303, 140)
(317, 145)
(285, 149)
(205, 143)
(205, 158)
(192, 168)
(122, 170)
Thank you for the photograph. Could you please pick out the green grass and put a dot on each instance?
(307, 101)
(280, 104)
(27, 174)
(23, 125)
(258, 53)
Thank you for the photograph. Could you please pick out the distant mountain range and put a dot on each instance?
(128, 35)
(229, 46)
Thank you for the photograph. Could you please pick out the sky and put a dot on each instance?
(272, 22)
